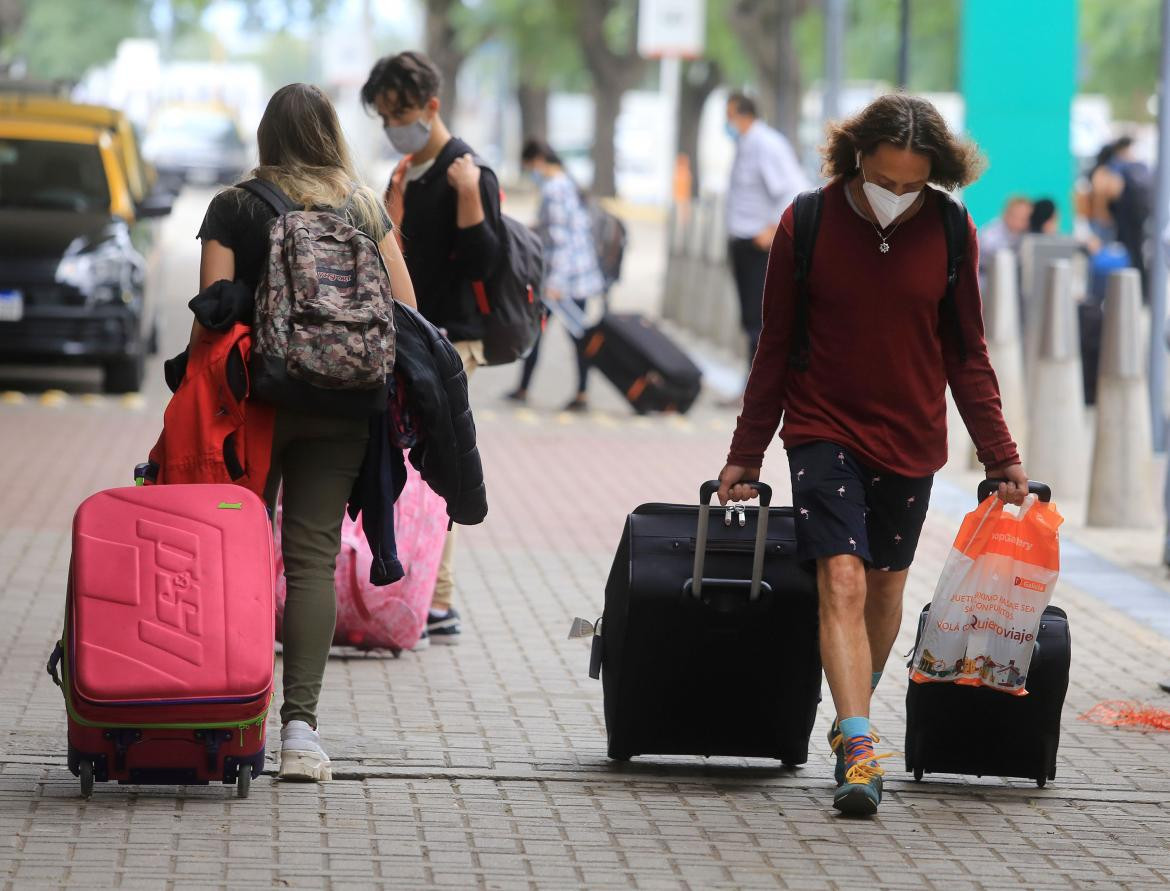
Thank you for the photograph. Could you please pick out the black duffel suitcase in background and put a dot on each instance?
(955, 728)
(643, 363)
(708, 644)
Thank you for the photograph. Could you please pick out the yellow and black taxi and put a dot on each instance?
(72, 270)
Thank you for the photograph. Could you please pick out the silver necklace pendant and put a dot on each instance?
(884, 247)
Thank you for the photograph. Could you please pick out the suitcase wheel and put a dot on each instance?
(1041, 781)
(918, 774)
(244, 781)
(86, 774)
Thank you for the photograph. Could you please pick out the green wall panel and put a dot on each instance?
(1018, 73)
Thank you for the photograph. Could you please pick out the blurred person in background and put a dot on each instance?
(316, 457)
(765, 177)
(571, 269)
(1045, 217)
(1105, 187)
(1133, 205)
(1005, 231)
(446, 206)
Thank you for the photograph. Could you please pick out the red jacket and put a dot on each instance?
(878, 366)
(212, 433)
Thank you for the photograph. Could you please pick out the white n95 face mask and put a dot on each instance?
(886, 206)
(409, 138)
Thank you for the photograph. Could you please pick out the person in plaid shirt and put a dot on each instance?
(571, 269)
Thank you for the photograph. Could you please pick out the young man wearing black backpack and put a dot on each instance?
(446, 207)
(871, 309)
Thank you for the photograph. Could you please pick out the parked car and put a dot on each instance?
(195, 144)
(141, 177)
(72, 272)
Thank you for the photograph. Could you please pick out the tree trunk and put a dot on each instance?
(765, 29)
(533, 111)
(613, 73)
(607, 103)
(443, 49)
(699, 80)
(11, 16)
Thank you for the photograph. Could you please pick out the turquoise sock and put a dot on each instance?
(851, 728)
(874, 679)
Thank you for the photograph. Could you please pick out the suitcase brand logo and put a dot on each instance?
(178, 628)
(1030, 584)
(231, 505)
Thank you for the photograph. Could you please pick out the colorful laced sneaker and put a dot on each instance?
(837, 747)
(861, 791)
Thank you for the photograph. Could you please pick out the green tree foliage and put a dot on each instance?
(872, 40)
(62, 38)
(1121, 42)
(540, 34)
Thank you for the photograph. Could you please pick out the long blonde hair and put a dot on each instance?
(303, 151)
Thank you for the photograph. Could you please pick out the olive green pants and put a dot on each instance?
(318, 459)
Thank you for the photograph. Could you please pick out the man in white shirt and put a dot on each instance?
(764, 179)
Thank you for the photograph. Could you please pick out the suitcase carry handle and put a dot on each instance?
(54, 661)
(1042, 491)
(694, 585)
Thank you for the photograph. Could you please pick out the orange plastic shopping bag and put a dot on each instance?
(982, 624)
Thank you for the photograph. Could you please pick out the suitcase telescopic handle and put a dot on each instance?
(1041, 490)
(709, 488)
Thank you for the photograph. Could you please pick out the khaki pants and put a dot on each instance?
(471, 352)
(318, 459)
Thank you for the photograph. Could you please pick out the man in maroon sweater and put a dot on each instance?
(865, 420)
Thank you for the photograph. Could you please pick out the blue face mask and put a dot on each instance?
(536, 176)
(732, 133)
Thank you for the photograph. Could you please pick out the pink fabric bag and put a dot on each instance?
(391, 617)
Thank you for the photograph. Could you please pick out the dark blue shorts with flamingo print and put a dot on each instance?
(844, 507)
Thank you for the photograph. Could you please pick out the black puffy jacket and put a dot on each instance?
(436, 393)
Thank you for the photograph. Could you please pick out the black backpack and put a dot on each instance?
(806, 220)
(509, 299)
(609, 240)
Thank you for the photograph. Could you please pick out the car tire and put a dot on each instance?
(124, 375)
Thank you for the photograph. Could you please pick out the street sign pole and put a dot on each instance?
(834, 58)
(1158, 268)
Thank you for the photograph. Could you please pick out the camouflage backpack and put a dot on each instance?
(324, 311)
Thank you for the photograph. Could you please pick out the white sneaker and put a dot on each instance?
(301, 757)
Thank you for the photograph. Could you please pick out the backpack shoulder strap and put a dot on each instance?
(270, 194)
(955, 229)
(806, 220)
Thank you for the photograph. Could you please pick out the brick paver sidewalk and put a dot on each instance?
(483, 765)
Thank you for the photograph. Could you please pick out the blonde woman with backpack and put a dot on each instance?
(317, 456)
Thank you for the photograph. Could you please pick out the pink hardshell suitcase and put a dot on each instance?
(167, 654)
(390, 617)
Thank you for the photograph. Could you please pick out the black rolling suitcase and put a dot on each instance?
(708, 644)
(646, 365)
(952, 728)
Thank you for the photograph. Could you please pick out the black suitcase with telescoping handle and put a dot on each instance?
(708, 644)
(954, 728)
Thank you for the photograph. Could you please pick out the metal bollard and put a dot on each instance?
(690, 295)
(1121, 487)
(1001, 314)
(1058, 431)
(706, 275)
(671, 279)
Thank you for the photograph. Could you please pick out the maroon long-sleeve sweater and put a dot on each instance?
(879, 364)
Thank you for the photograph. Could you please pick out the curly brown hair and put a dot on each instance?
(908, 122)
